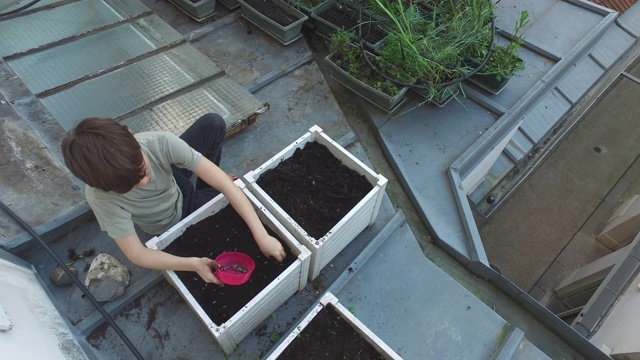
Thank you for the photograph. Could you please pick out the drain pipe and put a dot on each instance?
(76, 281)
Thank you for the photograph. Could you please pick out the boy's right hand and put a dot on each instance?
(204, 267)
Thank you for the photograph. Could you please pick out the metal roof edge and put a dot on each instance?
(49, 230)
(579, 343)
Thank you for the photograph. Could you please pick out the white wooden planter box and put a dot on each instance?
(357, 325)
(292, 279)
(360, 217)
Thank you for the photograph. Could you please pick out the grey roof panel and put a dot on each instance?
(518, 146)
(545, 115)
(454, 325)
(558, 17)
(508, 12)
(498, 170)
(630, 20)
(421, 145)
(527, 351)
(614, 43)
(580, 78)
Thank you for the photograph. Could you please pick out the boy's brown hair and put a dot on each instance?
(104, 154)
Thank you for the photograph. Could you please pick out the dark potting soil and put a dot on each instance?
(223, 232)
(329, 337)
(347, 19)
(314, 188)
(269, 9)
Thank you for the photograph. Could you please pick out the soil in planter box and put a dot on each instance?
(347, 19)
(309, 4)
(223, 232)
(328, 337)
(314, 188)
(272, 11)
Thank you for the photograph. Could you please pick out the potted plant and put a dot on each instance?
(333, 16)
(369, 9)
(435, 52)
(503, 61)
(197, 9)
(206, 300)
(309, 185)
(332, 331)
(230, 4)
(276, 17)
(349, 67)
(307, 6)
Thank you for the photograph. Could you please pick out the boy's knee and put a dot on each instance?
(214, 121)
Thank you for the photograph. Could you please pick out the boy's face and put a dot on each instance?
(147, 172)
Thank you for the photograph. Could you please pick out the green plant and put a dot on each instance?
(309, 4)
(504, 60)
(352, 60)
(352, 310)
(434, 48)
(274, 336)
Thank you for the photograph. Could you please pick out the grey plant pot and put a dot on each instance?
(305, 10)
(489, 82)
(284, 34)
(230, 4)
(376, 97)
(326, 28)
(199, 9)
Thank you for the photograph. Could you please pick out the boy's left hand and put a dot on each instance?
(271, 247)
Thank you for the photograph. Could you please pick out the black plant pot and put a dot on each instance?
(489, 82)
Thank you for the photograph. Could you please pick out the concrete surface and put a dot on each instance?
(28, 169)
(556, 201)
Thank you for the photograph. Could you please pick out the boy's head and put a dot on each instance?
(104, 154)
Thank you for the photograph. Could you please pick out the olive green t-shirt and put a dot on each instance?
(156, 206)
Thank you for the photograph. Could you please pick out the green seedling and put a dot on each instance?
(274, 336)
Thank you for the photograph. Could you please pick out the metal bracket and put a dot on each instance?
(253, 117)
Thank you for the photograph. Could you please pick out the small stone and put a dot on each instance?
(107, 278)
(60, 277)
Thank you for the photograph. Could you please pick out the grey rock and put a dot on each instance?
(107, 278)
(60, 277)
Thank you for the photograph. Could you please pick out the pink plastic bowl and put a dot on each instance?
(231, 276)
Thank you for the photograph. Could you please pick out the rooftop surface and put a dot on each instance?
(538, 234)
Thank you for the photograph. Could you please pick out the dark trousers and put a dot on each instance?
(205, 136)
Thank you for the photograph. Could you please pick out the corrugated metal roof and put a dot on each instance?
(618, 5)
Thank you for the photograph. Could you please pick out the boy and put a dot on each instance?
(145, 179)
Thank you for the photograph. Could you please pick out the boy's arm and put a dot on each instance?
(144, 257)
(214, 176)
